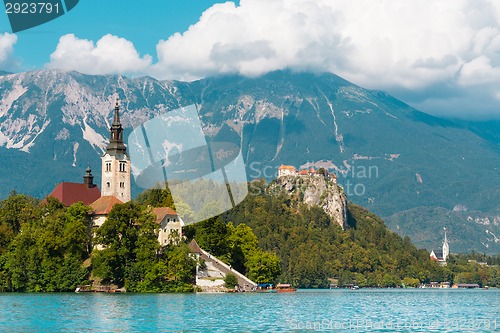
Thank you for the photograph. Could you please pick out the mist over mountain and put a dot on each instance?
(421, 173)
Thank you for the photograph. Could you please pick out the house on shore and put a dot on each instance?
(465, 286)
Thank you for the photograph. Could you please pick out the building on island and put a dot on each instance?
(170, 225)
(70, 193)
(116, 163)
(441, 255)
(101, 208)
(115, 188)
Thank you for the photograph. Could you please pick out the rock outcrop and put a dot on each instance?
(315, 190)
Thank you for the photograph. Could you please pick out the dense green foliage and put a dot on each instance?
(238, 247)
(132, 256)
(46, 248)
(314, 251)
(270, 238)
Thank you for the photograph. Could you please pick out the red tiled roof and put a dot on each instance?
(303, 172)
(161, 212)
(286, 167)
(70, 193)
(103, 205)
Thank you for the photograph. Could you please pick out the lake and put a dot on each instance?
(365, 310)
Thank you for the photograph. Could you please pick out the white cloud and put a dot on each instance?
(405, 45)
(110, 55)
(7, 42)
(383, 44)
(479, 71)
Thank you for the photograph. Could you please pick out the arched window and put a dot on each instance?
(108, 184)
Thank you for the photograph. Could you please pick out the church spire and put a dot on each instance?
(446, 247)
(116, 145)
(116, 119)
(115, 165)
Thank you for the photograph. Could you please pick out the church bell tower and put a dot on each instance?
(116, 163)
(446, 247)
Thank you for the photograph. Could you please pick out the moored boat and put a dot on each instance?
(285, 288)
(265, 288)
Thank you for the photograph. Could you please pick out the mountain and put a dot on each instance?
(417, 171)
(488, 130)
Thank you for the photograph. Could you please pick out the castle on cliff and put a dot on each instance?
(289, 170)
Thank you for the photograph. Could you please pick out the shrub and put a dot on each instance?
(231, 280)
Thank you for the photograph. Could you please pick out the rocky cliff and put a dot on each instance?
(315, 190)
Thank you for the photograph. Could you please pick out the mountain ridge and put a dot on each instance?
(57, 122)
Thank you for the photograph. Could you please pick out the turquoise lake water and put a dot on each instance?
(364, 310)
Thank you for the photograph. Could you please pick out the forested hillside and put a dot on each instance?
(312, 248)
(269, 237)
(45, 247)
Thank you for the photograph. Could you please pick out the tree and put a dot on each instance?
(133, 258)
(230, 281)
(389, 281)
(119, 236)
(212, 235)
(263, 267)
(48, 254)
(156, 197)
(411, 282)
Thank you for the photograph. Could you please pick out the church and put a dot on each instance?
(441, 255)
(115, 187)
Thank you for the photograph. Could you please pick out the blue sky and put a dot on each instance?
(442, 57)
(142, 22)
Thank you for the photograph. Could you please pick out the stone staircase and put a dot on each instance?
(216, 271)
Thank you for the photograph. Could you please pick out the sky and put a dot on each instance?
(440, 56)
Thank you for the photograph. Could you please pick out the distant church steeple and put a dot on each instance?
(446, 247)
(116, 163)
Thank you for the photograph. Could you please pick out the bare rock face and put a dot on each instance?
(315, 190)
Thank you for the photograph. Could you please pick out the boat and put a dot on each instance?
(269, 288)
(285, 288)
(84, 289)
(99, 289)
(265, 288)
